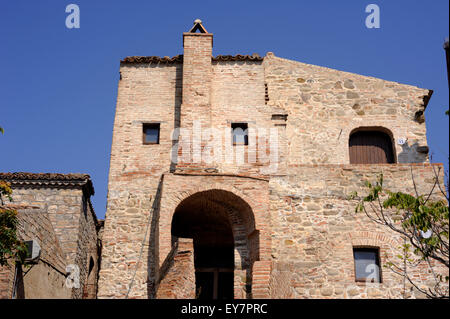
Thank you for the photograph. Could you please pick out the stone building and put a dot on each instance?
(54, 212)
(229, 177)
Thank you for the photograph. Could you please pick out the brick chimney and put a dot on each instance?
(195, 113)
(197, 75)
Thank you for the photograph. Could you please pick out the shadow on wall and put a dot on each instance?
(153, 248)
(19, 288)
(413, 153)
(177, 117)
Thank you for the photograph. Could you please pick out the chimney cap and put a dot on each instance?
(198, 27)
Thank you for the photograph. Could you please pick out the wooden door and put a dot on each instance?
(370, 147)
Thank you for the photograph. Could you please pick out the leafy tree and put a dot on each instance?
(10, 246)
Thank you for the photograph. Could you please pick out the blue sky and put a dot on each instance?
(58, 86)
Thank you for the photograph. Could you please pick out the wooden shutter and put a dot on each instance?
(370, 147)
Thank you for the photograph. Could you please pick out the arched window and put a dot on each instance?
(371, 146)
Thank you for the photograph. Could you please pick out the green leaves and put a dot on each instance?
(422, 221)
(418, 214)
(10, 246)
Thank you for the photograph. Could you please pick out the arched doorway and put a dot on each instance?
(371, 146)
(220, 224)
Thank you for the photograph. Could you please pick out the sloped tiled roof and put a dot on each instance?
(238, 57)
(152, 59)
(49, 179)
(179, 58)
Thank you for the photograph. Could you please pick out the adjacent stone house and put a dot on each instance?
(229, 177)
(55, 212)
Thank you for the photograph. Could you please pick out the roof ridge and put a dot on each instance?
(50, 179)
(44, 176)
(179, 58)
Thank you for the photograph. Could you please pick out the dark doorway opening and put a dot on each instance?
(204, 218)
(214, 270)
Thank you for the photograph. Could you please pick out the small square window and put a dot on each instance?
(240, 133)
(151, 133)
(367, 264)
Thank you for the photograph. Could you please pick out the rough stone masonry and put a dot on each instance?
(180, 225)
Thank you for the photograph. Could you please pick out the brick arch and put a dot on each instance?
(240, 217)
(385, 242)
(372, 239)
(175, 199)
(171, 200)
(178, 187)
(226, 204)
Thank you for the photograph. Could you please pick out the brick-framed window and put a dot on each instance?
(367, 264)
(239, 133)
(150, 133)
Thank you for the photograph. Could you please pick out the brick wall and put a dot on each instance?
(315, 228)
(6, 281)
(179, 282)
(149, 93)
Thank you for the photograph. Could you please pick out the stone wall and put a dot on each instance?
(46, 277)
(324, 106)
(88, 256)
(315, 228)
(65, 224)
(73, 223)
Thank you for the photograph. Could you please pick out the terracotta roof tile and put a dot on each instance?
(179, 58)
(152, 59)
(238, 57)
(49, 179)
